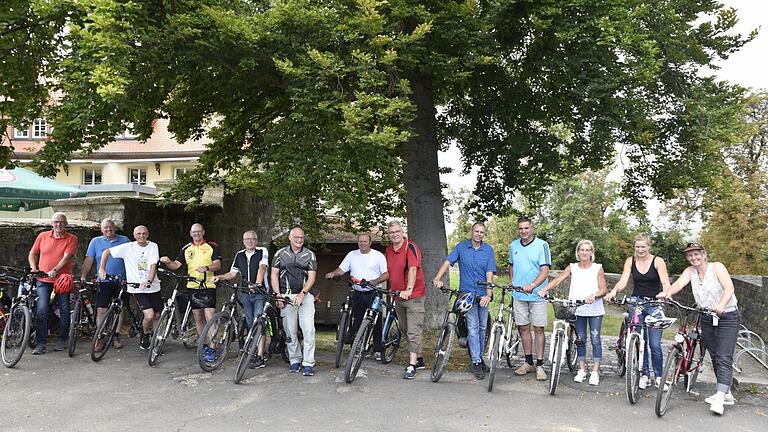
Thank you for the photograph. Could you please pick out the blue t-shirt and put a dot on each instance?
(115, 266)
(473, 265)
(526, 261)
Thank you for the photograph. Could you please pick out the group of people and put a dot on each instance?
(294, 271)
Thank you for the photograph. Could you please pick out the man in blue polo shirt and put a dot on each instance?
(476, 262)
(115, 267)
(529, 262)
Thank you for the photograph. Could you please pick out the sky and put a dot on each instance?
(748, 67)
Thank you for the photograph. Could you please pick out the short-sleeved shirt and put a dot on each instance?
(51, 250)
(96, 247)
(194, 256)
(398, 263)
(527, 261)
(248, 263)
(473, 265)
(368, 266)
(138, 260)
(294, 269)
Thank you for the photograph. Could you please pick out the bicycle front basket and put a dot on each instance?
(565, 313)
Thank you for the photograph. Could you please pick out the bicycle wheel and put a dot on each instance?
(74, 326)
(695, 364)
(189, 333)
(251, 345)
(16, 335)
(494, 355)
(621, 368)
(217, 335)
(136, 316)
(557, 362)
(571, 358)
(668, 379)
(391, 340)
(443, 350)
(341, 333)
(513, 344)
(159, 335)
(102, 339)
(633, 368)
(355, 358)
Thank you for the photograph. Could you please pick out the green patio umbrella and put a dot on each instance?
(22, 188)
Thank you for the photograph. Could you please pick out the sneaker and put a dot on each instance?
(257, 363)
(294, 368)
(39, 350)
(145, 342)
(377, 356)
(525, 369)
(308, 371)
(477, 370)
(210, 355)
(580, 375)
(410, 372)
(61, 345)
(420, 363)
(116, 344)
(657, 382)
(594, 378)
(485, 367)
(643, 382)
(728, 399)
(717, 402)
(540, 374)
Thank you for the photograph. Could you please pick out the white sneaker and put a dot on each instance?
(728, 399)
(657, 382)
(594, 378)
(716, 405)
(643, 382)
(580, 375)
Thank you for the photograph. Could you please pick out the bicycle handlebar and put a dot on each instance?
(689, 308)
(564, 302)
(640, 301)
(508, 287)
(186, 278)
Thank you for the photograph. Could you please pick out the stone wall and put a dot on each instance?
(18, 235)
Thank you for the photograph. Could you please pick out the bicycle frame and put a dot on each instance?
(507, 345)
(686, 340)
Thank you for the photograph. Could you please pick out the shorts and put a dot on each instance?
(202, 298)
(152, 301)
(528, 312)
(107, 292)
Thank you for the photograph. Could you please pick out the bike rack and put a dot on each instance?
(750, 343)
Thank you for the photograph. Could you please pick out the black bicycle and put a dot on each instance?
(344, 325)
(108, 328)
(226, 326)
(19, 327)
(170, 324)
(448, 330)
(82, 319)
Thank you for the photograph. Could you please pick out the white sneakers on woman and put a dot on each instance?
(580, 375)
(594, 377)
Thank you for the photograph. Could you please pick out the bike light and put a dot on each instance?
(679, 338)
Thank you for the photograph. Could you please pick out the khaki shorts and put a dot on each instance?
(527, 312)
(410, 315)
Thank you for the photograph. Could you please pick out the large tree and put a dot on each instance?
(332, 105)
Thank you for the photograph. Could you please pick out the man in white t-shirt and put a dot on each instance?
(368, 264)
(140, 259)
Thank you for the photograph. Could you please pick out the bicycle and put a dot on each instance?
(630, 346)
(259, 330)
(448, 330)
(19, 326)
(106, 331)
(344, 325)
(82, 319)
(562, 344)
(220, 330)
(505, 337)
(169, 323)
(685, 358)
(381, 311)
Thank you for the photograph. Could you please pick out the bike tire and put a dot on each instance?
(570, 353)
(105, 332)
(217, 335)
(189, 333)
(443, 350)
(695, 364)
(355, 358)
(136, 318)
(493, 358)
(633, 368)
(16, 335)
(621, 368)
(74, 326)
(557, 360)
(159, 335)
(668, 380)
(251, 345)
(513, 346)
(341, 334)
(391, 341)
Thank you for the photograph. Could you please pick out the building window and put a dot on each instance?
(20, 133)
(138, 176)
(91, 176)
(177, 171)
(39, 128)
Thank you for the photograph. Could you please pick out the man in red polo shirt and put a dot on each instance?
(405, 275)
(52, 252)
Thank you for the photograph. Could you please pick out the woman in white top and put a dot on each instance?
(588, 284)
(713, 289)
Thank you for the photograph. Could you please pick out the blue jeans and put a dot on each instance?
(652, 341)
(477, 322)
(42, 307)
(253, 306)
(595, 326)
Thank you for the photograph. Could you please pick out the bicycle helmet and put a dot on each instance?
(63, 284)
(658, 320)
(464, 303)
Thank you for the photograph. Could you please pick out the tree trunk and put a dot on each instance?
(423, 195)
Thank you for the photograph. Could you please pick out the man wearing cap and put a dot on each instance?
(52, 253)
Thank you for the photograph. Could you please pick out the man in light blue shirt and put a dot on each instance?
(477, 262)
(529, 262)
